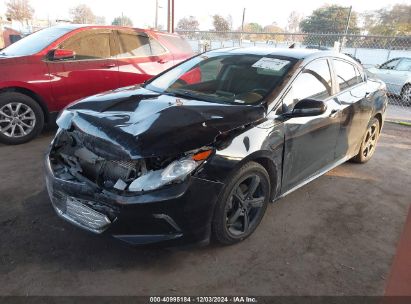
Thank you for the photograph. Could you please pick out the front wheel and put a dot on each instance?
(242, 204)
(369, 142)
(21, 118)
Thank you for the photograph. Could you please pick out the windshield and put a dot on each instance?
(224, 78)
(35, 42)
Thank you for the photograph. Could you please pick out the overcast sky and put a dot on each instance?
(142, 11)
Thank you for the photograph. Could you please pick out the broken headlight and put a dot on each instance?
(174, 172)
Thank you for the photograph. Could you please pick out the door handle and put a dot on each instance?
(333, 113)
(162, 61)
(109, 65)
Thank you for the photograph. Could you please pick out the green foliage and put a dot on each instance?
(394, 21)
(122, 21)
(330, 19)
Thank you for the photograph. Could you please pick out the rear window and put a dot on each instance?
(177, 43)
(134, 44)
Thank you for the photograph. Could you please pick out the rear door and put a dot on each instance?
(356, 107)
(91, 71)
(139, 57)
(310, 141)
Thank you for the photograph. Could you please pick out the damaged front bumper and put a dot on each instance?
(176, 214)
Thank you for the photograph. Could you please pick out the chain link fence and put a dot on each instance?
(371, 51)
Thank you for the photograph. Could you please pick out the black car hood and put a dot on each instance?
(136, 123)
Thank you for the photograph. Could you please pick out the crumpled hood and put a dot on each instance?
(139, 123)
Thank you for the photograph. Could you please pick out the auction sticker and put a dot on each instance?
(273, 64)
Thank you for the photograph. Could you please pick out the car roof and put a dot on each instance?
(298, 53)
(85, 26)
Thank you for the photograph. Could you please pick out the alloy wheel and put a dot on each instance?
(406, 95)
(370, 141)
(245, 205)
(16, 119)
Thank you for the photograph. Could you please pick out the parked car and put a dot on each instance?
(396, 73)
(201, 149)
(47, 70)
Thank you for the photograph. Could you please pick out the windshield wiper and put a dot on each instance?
(181, 94)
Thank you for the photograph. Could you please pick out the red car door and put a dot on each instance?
(92, 70)
(140, 57)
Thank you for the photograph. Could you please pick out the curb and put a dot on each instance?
(403, 123)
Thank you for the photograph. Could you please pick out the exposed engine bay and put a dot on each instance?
(76, 158)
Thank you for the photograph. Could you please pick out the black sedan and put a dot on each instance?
(200, 150)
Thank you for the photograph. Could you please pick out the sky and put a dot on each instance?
(142, 12)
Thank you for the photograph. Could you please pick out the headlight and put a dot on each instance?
(174, 172)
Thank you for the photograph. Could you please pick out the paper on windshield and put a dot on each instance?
(273, 64)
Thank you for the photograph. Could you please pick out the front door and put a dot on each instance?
(310, 141)
(91, 71)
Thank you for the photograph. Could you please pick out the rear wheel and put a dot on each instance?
(242, 205)
(369, 142)
(406, 95)
(21, 118)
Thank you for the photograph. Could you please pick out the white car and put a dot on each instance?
(396, 73)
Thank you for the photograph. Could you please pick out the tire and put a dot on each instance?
(21, 118)
(369, 142)
(406, 95)
(235, 207)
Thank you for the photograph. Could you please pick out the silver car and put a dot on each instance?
(396, 73)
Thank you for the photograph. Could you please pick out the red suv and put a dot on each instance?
(44, 72)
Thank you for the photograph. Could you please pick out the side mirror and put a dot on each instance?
(60, 54)
(309, 107)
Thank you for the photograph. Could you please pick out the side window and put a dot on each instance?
(313, 82)
(156, 48)
(390, 65)
(92, 44)
(404, 65)
(133, 44)
(347, 74)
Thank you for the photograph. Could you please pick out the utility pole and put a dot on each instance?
(346, 28)
(242, 28)
(170, 16)
(156, 20)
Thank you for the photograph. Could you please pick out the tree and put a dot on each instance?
(294, 20)
(188, 24)
(19, 10)
(330, 19)
(82, 14)
(394, 21)
(220, 24)
(252, 27)
(122, 21)
(273, 28)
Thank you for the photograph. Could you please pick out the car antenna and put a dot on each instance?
(292, 46)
